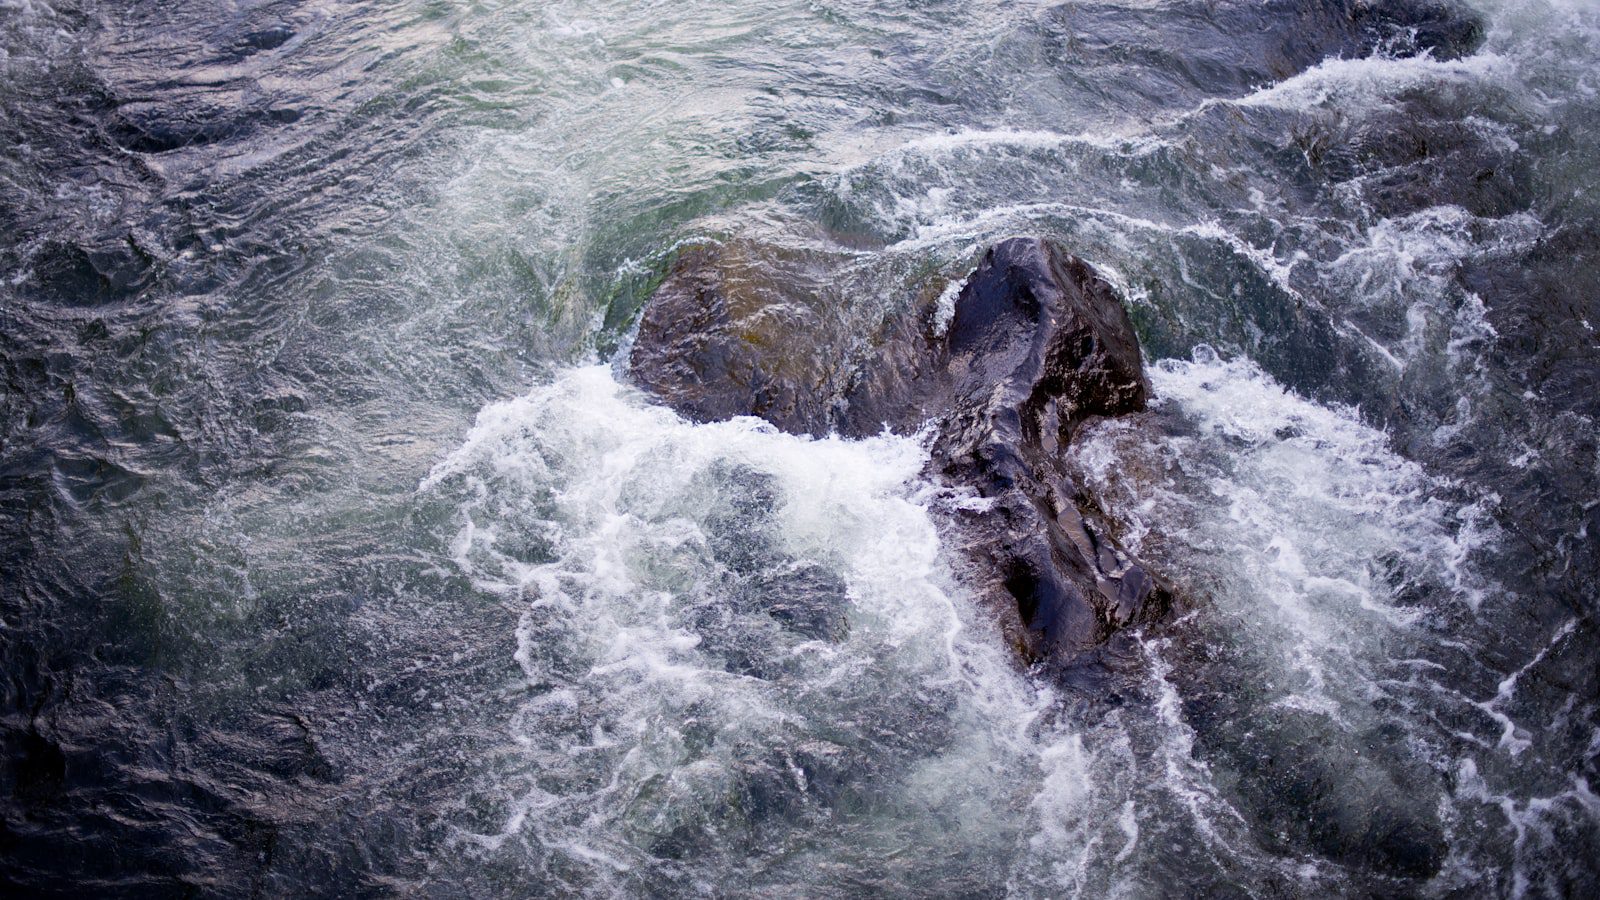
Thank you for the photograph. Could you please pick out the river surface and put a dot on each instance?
(337, 557)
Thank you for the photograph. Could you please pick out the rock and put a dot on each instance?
(1038, 343)
(732, 331)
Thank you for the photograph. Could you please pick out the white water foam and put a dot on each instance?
(1294, 505)
(1407, 265)
(1336, 560)
(1371, 82)
(662, 691)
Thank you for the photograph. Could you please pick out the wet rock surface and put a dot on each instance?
(736, 330)
(1036, 344)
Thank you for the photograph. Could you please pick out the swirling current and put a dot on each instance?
(337, 558)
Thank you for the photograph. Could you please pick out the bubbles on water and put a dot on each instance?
(745, 658)
(738, 650)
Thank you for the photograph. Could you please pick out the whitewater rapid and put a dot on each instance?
(673, 712)
(336, 558)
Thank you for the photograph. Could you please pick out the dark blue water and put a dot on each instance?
(334, 560)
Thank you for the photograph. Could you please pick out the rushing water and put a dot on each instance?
(337, 558)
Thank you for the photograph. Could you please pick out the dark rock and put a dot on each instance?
(1037, 344)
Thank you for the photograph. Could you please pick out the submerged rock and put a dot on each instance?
(1177, 54)
(1037, 343)
(1304, 783)
(797, 598)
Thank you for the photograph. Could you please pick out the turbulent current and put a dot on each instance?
(339, 556)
